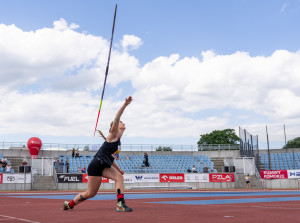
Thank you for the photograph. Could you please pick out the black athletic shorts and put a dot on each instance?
(96, 167)
(247, 182)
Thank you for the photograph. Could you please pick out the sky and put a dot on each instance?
(191, 67)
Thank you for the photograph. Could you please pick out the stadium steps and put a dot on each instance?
(253, 182)
(218, 163)
(43, 183)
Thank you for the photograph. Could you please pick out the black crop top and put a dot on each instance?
(105, 152)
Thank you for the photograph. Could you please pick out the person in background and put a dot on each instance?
(24, 163)
(73, 152)
(67, 165)
(146, 160)
(194, 170)
(61, 166)
(205, 169)
(77, 154)
(8, 168)
(247, 179)
(83, 170)
(189, 170)
(79, 169)
(4, 164)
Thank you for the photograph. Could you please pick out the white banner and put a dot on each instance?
(293, 173)
(128, 178)
(146, 178)
(194, 177)
(16, 178)
(94, 147)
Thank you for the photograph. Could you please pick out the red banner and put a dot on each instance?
(274, 174)
(221, 177)
(166, 177)
(1, 178)
(85, 179)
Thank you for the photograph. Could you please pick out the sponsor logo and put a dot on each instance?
(10, 178)
(165, 177)
(69, 178)
(139, 177)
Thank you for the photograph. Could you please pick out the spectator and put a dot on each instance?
(79, 169)
(189, 170)
(77, 154)
(83, 170)
(127, 157)
(67, 165)
(61, 166)
(146, 161)
(247, 179)
(24, 163)
(73, 152)
(205, 169)
(4, 163)
(8, 168)
(194, 169)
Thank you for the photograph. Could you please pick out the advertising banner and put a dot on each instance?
(15, 178)
(293, 173)
(128, 178)
(273, 174)
(85, 179)
(221, 177)
(167, 177)
(69, 178)
(1, 177)
(196, 177)
(146, 178)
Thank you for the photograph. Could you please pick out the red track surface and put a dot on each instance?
(50, 210)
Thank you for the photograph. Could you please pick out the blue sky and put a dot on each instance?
(191, 66)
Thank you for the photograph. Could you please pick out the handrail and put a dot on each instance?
(257, 174)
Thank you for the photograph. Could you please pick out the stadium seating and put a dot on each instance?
(281, 161)
(158, 163)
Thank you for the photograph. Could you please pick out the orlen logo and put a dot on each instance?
(165, 177)
(175, 177)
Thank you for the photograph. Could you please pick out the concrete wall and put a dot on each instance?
(282, 184)
(15, 187)
(111, 186)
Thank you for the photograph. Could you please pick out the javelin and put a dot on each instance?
(107, 66)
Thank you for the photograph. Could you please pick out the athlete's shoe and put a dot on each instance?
(66, 205)
(121, 206)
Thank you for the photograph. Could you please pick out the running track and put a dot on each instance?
(154, 206)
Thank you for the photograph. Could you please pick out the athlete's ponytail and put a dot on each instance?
(101, 134)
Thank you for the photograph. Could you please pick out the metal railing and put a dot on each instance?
(125, 147)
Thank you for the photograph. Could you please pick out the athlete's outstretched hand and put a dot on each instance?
(128, 100)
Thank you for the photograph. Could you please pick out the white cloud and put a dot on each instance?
(173, 96)
(131, 42)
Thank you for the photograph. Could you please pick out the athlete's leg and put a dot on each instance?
(94, 183)
(114, 174)
(93, 187)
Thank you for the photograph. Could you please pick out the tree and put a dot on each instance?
(165, 148)
(226, 136)
(294, 143)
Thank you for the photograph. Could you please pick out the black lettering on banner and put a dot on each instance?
(69, 178)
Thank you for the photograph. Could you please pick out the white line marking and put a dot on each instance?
(20, 219)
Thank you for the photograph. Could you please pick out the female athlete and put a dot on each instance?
(104, 165)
